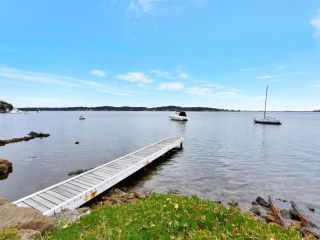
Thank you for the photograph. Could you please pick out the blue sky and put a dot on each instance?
(161, 52)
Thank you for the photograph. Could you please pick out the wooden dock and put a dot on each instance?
(78, 190)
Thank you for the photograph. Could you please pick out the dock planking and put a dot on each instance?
(80, 189)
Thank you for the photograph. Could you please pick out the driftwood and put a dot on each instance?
(304, 221)
(277, 215)
(299, 213)
(308, 232)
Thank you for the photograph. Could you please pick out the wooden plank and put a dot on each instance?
(80, 185)
(44, 202)
(118, 165)
(74, 187)
(94, 176)
(70, 190)
(124, 164)
(102, 174)
(84, 182)
(91, 179)
(64, 192)
(22, 204)
(130, 160)
(116, 168)
(51, 198)
(108, 171)
(57, 195)
(36, 205)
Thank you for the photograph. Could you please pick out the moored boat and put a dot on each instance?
(179, 116)
(271, 121)
(16, 111)
(267, 120)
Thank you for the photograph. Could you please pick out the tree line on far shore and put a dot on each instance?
(5, 107)
(128, 108)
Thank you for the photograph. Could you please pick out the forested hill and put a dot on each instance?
(127, 108)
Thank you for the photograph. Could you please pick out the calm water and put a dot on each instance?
(225, 155)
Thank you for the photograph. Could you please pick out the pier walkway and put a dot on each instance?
(80, 189)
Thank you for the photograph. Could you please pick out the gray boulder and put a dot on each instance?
(22, 218)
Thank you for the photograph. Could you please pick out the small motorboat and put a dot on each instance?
(82, 117)
(16, 111)
(179, 116)
(267, 120)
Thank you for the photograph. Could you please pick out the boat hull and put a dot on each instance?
(178, 118)
(267, 121)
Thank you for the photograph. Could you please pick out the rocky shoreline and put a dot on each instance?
(30, 223)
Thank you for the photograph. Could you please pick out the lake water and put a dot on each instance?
(225, 155)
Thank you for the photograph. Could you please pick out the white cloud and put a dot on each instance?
(98, 73)
(172, 86)
(142, 6)
(161, 74)
(282, 67)
(138, 7)
(181, 73)
(138, 77)
(18, 75)
(207, 92)
(271, 78)
(199, 91)
(316, 84)
(5, 48)
(250, 69)
(315, 22)
(100, 87)
(267, 77)
(21, 75)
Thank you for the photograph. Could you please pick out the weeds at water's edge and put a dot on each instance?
(168, 216)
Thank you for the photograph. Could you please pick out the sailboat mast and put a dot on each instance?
(265, 104)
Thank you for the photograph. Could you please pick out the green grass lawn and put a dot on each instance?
(162, 216)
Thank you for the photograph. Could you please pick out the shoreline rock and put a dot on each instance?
(5, 168)
(30, 136)
(13, 216)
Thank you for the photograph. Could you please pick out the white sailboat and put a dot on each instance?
(267, 120)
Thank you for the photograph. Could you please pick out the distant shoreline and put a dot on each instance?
(127, 108)
(145, 109)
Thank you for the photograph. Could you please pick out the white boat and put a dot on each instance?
(15, 111)
(82, 117)
(179, 116)
(267, 120)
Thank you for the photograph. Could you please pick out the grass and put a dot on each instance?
(9, 234)
(162, 216)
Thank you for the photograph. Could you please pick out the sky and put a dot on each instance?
(207, 53)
